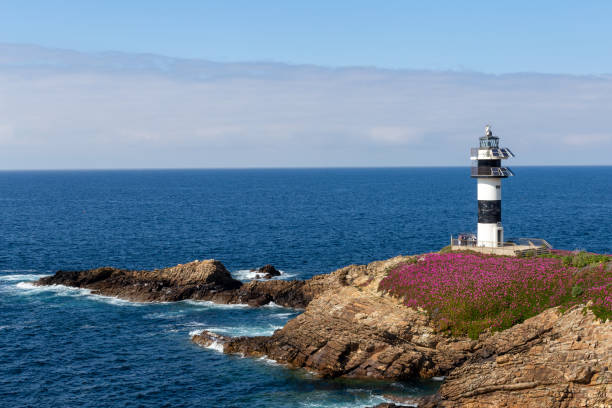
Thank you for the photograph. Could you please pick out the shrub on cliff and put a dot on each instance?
(469, 293)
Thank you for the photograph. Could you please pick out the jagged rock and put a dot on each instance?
(197, 280)
(207, 338)
(355, 331)
(553, 360)
(268, 272)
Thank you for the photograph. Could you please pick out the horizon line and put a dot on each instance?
(281, 168)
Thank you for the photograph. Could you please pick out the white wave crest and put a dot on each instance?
(236, 331)
(196, 332)
(21, 278)
(274, 305)
(164, 315)
(282, 315)
(248, 275)
(193, 324)
(208, 304)
(268, 361)
(216, 346)
(29, 288)
(369, 402)
(58, 289)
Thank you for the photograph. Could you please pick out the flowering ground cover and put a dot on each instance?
(467, 293)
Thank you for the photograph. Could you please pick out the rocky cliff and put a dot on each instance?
(348, 328)
(555, 359)
(552, 360)
(352, 330)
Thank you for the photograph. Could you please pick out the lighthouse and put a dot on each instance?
(488, 171)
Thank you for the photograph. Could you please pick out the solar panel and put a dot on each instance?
(508, 152)
(495, 153)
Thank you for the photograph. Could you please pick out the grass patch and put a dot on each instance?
(469, 293)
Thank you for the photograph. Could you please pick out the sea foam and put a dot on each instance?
(208, 304)
(216, 346)
(29, 288)
(248, 275)
(21, 278)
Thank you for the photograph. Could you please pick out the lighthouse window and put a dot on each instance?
(498, 187)
(489, 142)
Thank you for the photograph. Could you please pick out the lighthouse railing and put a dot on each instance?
(470, 241)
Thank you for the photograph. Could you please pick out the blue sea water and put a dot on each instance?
(65, 347)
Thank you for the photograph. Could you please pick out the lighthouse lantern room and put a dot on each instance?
(488, 171)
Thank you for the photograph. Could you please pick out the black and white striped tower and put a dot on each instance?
(488, 171)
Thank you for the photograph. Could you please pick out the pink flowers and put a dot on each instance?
(467, 293)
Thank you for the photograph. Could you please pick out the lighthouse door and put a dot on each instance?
(499, 238)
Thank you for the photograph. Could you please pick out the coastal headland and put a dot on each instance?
(381, 321)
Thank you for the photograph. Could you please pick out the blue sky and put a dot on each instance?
(188, 84)
(486, 36)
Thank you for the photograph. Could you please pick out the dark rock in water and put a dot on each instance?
(268, 271)
(207, 338)
(197, 280)
(206, 280)
(259, 301)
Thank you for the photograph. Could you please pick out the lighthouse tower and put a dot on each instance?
(488, 171)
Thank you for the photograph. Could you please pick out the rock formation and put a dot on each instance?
(197, 280)
(350, 329)
(267, 272)
(354, 331)
(553, 360)
(206, 280)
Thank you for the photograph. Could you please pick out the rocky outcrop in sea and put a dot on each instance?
(350, 329)
(198, 280)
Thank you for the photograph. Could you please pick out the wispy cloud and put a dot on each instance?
(65, 109)
(591, 140)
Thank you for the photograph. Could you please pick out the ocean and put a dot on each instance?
(65, 347)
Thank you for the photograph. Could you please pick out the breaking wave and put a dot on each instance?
(208, 304)
(21, 278)
(235, 331)
(29, 288)
(248, 275)
(215, 346)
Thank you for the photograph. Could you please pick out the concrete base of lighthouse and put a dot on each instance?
(490, 235)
